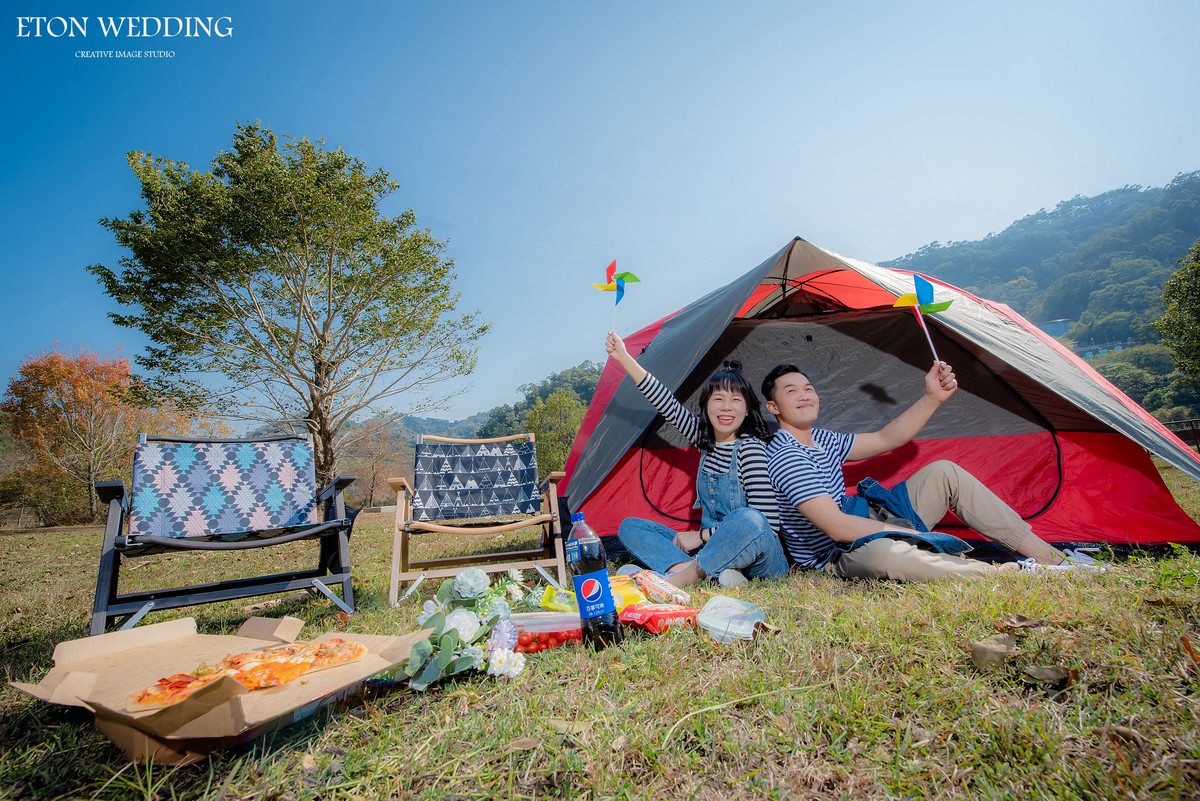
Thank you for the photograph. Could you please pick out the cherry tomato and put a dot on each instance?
(520, 649)
(524, 638)
(552, 642)
(543, 637)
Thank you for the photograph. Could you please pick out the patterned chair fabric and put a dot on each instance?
(456, 481)
(221, 489)
(220, 496)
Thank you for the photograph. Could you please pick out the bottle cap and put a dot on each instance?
(577, 517)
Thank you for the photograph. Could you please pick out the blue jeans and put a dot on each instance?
(743, 541)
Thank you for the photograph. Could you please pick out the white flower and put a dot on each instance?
(505, 664)
(516, 576)
(471, 583)
(476, 654)
(429, 609)
(465, 621)
(504, 637)
(493, 607)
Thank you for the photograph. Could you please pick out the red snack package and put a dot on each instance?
(657, 618)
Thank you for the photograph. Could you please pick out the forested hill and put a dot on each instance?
(1100, 261)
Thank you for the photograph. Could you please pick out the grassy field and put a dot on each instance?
(868, 691)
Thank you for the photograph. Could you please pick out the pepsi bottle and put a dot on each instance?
(597, 609)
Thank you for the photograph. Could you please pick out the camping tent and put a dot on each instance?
(1049, 434)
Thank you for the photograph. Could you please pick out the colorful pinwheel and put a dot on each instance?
(921, 302)
(616, 281)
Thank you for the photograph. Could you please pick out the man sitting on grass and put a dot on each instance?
(805, 465)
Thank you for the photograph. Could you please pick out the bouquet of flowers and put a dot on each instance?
(471, 630)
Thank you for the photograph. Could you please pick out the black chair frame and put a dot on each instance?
(113, 609)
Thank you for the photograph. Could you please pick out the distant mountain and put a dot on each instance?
(445, 428)
(1098, 261)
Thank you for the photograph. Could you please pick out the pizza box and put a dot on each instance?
(97, 673)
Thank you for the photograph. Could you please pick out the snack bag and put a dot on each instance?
(624, 591)
(657, 618)
(658, 589)
(558, 600)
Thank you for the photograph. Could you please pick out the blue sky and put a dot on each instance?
(544, 138)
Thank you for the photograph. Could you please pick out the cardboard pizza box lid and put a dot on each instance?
(91, 665)
(99, 673)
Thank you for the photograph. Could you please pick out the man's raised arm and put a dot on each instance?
(940, 384)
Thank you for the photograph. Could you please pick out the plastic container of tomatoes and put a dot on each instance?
(538, 631)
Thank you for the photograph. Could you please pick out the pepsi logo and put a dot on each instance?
(591, 590)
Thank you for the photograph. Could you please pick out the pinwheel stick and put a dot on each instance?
(925, 330)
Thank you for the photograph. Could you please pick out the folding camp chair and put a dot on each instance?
(220, 495)
(475, 486)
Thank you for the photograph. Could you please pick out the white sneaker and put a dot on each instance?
(1034, 566)
(628, 570)
(731, 578)
(1072, 560)
(1081, 558)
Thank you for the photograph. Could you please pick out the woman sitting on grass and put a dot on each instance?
(739, 515)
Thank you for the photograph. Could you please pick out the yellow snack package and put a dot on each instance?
(624, 591)
(558, 600)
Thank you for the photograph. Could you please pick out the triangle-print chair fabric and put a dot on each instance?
(461, 480)
(221, 494)
(475, 486)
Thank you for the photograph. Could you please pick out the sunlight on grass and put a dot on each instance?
(869, 691)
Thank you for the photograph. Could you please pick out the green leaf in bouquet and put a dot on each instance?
(446, 591)
(446, 646)
(437, 622)
(420, 653)
(459, 665)
(428, 676)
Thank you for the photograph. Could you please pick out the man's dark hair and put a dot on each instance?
(768, 383)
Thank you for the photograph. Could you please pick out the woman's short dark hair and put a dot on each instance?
(768, 383)
(730, 379)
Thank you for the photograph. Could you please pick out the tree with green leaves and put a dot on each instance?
(554, 421)
(274, 284)
(580, 381)
(1133, 381)
(1180, 325)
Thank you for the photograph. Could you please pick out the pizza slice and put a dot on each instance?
(336, 651)
(172, 689)
(274, 666)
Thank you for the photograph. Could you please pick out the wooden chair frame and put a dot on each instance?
(549, 554)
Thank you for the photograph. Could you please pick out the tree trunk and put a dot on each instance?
(91, 490)
(321, 425)
(326, 461)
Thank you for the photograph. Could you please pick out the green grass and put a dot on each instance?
(868, 691)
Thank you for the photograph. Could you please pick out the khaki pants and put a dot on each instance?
(933, 489)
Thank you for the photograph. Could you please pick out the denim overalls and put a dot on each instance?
(742, 539)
